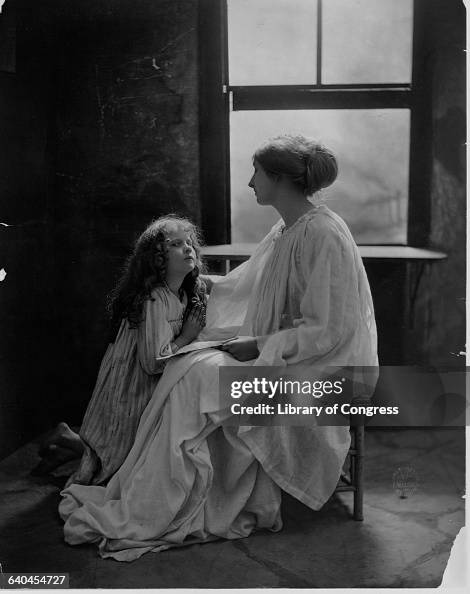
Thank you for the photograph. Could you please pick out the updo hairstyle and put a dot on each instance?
(309, 165)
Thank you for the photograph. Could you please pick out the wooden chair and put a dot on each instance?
(353, 478)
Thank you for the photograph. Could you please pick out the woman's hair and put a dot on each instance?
(308, 164)
(146, 268)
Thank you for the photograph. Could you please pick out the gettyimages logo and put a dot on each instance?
(405, 481)
(389, 396)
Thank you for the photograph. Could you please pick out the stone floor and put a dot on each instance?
(403, 542)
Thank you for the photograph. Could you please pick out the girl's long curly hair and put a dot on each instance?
(146, 268)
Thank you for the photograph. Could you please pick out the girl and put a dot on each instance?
(157, 307)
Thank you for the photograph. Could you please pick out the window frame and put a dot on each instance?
(218, 98)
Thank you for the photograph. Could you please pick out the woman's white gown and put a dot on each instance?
(189, 478)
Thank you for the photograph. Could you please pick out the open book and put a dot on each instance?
(194, 346)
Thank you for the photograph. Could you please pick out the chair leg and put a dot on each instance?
(359, 473)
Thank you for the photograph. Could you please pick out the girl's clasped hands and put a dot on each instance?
(194, 322)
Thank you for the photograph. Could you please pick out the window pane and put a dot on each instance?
(367, 41)
(372, 147)
(272, 42)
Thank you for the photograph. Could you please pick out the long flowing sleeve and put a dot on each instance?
(162, 322)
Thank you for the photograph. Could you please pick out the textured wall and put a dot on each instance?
(437, 334)
(100, 128)
(127, 151)
(25, 249)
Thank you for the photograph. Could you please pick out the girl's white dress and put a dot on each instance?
(126, 380)
(189, 478)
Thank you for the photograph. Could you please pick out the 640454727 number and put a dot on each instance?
(34, 580)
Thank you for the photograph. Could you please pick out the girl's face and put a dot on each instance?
(181, 256)
(263, 185)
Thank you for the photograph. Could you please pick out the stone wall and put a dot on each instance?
(435, 333)
(100, 128)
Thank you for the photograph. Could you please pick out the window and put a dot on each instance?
(373, 153)
(347, 72)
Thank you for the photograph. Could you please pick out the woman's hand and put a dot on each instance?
(242, 348)
(194, 323)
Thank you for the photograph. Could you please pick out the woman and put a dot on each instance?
(301, 302)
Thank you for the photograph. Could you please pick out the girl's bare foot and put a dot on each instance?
(64, 437)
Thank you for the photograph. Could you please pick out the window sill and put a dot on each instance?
(242, 251)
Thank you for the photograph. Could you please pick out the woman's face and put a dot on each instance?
(181, 256)
(263, 185)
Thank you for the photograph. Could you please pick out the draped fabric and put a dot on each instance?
(304, 294)
(127, 377)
